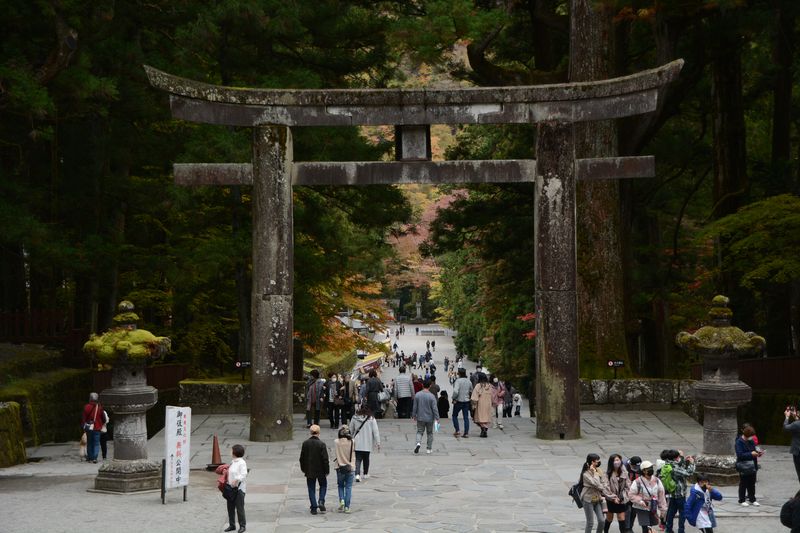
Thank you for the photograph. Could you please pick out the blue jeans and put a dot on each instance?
(92, 445)
(676, 507)
(323, 488)
(345, 483)
(461, 406)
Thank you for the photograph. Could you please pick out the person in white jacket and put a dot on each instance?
(366, 436)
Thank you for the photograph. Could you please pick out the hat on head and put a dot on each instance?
(646, 465)
(314, 429)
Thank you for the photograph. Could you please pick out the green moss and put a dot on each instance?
(50, 403)
(12, 439)
(136, 344)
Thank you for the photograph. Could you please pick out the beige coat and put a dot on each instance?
(482, 394)
(595, 487)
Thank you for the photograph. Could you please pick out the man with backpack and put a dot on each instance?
(673, 475)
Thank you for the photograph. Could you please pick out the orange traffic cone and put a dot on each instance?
(216, 460)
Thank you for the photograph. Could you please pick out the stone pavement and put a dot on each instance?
(508, 482)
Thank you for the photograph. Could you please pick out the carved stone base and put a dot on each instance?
(720, 469)
(128, 476)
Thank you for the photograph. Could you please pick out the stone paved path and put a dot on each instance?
(508, 482)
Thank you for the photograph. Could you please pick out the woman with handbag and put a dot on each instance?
(648, 497)
(345, 466)
(91, 422)
(594, 491)
(747, 465)
(365, 434)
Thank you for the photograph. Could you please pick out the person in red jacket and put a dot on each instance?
(91, 422)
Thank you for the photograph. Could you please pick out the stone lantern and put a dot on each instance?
(128, 350)
(720, 392)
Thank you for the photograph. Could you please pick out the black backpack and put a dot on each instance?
(787, 511)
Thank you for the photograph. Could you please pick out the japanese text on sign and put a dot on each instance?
(177, 433)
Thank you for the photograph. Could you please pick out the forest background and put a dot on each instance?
(89, 213)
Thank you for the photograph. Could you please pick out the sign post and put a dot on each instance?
(177, 440)
(242, 365)
(615, 364)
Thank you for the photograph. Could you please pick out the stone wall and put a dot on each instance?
(12, 440)
(635, 393)
(209, 397)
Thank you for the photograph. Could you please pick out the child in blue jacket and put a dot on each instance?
(699, 509)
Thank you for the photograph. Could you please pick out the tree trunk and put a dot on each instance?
(242, 282)
(730, 163)
(601, 322)
(782, 56)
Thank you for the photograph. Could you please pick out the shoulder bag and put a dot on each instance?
(89, 424)
(575, 492)
(746, 468)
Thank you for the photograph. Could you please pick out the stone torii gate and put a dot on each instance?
(273, 112)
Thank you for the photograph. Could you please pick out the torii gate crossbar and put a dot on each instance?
(554, 108)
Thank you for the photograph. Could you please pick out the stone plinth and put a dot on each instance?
(720, 392)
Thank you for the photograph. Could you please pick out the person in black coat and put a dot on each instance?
(374, 387)
(790, 514)
(315, 465)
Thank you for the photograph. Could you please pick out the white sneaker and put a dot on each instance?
(358, 478)
(428, 450)
(755, 504)
(366, 476)
(744, 504)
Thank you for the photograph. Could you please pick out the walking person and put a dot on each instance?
(403, 393)
(314, 398)
(91, 422)
(791, 423)
(237, 478)
(462, 392)
(444, 405)
(680, 469)
(618, 485)
(314, 463)
(508, 400)
(594, 491)
(345, 465)
(346, 391)
(498, 401)
(699, 505)
(333, 400)
(104, 435)
(374, 387)
(364, 429)
(425, 413)
(747, 456)
(648, 498)
(481, 399)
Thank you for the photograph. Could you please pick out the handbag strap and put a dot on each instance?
(359, 427)
(94, 414)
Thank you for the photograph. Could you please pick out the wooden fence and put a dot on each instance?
(51, 327)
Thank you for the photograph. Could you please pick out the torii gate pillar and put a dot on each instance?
(272, 297)
(555, 273)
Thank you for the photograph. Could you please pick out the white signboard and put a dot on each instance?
(177, 431)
